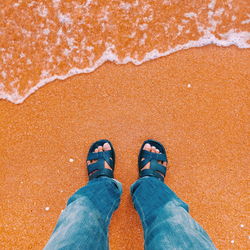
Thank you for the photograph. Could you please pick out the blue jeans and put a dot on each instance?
(165, 218)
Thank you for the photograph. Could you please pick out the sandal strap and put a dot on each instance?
(98, 169)
(104, 172)
(156, 169)
(150, 172)
(101, 155)
(150, 155)
(95, 166)
(155, 166)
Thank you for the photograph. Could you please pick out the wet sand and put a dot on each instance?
(194, 102)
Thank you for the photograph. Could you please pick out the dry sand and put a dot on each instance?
(195, 102)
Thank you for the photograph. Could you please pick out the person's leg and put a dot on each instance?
(165, 218)
(84, 222)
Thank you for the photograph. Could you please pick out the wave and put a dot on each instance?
(41, 42)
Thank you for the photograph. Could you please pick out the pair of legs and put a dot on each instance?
(165, 218)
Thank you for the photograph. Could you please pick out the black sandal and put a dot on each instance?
(97, 169)
(156, 170)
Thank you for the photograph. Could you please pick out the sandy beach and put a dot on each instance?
(194, 101)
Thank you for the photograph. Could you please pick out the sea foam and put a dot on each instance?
(42, 42)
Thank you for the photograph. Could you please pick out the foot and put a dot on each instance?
(106, 147)
(153, 149)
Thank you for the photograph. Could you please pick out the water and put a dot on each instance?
(41, 41)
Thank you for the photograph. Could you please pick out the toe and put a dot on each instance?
(100, 149)
(88, 162)
(158, 152)
(147, 147)
(153, 149)
(106, 146)
(93, 161)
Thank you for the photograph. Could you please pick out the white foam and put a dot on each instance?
(143, 39)
(88, 2)
(104, 15)
(26, 32)
(219, 12)
(185, 21)
(237, 38)
(143, 26)
(42, 11)
(44, 73)
(50, 59)
(66, 52)
(132, 35)
(71, 42)
(64, 18)
(211, 5)
(46, 31)
(247, 21)
(180, 28)
(32, 3)
(29, 61)
(232, 37)
(12, 83)
(90, 48)
(8, 56)
(56, 3)
(166, 2)
(4, 74)
(190, 14)
(125, 6)
(136, 3)
(230, 4)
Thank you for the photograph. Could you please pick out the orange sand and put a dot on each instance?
(204, 128)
